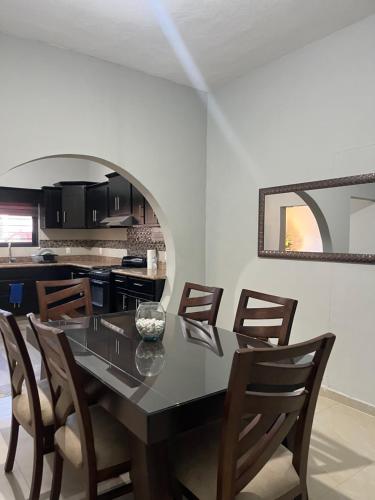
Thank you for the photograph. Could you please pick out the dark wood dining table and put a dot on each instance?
(156, 389)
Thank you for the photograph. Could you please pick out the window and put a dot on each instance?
(18, 224)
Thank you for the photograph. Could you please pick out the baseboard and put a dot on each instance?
(347, 400)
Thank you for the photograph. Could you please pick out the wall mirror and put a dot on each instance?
(329, 220)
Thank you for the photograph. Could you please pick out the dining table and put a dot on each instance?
(157, 389)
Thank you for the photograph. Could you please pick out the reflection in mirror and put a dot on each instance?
(319, 218)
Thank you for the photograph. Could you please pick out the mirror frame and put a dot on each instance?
(305, 186)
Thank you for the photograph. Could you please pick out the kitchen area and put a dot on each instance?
(103, 229)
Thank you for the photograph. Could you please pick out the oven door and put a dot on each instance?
(100, 296)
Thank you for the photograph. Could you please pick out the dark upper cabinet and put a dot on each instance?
(51, 209)
(150, 216)
(74, 206)
(119, 195)
(96, 204)
(138, 205)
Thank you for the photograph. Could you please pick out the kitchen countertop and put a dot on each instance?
(140, 272)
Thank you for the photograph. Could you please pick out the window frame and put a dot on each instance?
(34, 239)
(23, 195)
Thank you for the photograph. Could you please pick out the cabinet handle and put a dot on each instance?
(137, 284)
(96, 220)
(64, 216)
(58, 216)
(123, 302)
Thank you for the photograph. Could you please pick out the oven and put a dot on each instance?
(100, 291)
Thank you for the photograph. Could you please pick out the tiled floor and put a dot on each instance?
(341, 463)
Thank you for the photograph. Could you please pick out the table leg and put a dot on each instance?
(150, 470)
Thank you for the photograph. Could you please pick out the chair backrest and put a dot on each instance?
(68, 298)
(284, 311)
(68, 395)
(257, 417)
(210, 302)
(20, 368)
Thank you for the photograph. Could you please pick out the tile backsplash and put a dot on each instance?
(138, 241)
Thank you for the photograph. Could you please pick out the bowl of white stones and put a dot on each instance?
(150, 320)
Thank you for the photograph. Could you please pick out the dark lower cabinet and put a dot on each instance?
(128, 292)
(28, 276)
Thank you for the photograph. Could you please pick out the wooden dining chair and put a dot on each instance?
(68, 299)
(207, 304)
(31, 402)
(284, 311)
(86, 436)
(244, 456)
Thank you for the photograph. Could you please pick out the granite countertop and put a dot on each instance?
(140, 272)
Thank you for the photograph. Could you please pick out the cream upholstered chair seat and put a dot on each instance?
(21, 406)
(196, 465)
(110, 438)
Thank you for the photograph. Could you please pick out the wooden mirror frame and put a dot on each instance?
(305, 186)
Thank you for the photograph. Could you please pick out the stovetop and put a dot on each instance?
(106, 268)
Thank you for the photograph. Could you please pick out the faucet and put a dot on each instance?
(11, 259)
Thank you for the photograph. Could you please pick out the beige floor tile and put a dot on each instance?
(359, 487)
(324, 403)
(344, 427)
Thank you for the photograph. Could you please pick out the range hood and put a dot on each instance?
(119, 221)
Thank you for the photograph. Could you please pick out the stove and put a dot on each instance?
(103, 272)
(100, 281)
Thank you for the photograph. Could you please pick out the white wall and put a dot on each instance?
(55, 102)
(48, 171)
(307, 116)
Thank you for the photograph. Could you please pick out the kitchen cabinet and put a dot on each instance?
(96, 204)
(150, 216)
(128, 292)
(28, 276)
(51, 209)
(119, 195)
(73, 205)
(138, 205)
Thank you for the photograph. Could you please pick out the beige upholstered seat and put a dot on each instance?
(21, 406)
(196, 464)
(110, 439)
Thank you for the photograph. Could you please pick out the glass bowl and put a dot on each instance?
(150, 320)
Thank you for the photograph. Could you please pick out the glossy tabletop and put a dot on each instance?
(192, 361)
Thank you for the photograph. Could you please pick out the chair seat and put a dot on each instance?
(110, 440)
(21, 407)
(196, 465)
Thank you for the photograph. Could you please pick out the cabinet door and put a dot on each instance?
(74, 206)
(96, 204)
(119, 195)
(51, 213)
(150, 216)
(138, 205)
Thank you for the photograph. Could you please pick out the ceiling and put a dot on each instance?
(195, 42)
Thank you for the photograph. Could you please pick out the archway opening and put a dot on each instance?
(96, 238)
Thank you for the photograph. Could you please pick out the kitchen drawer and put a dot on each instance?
(139, 285)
